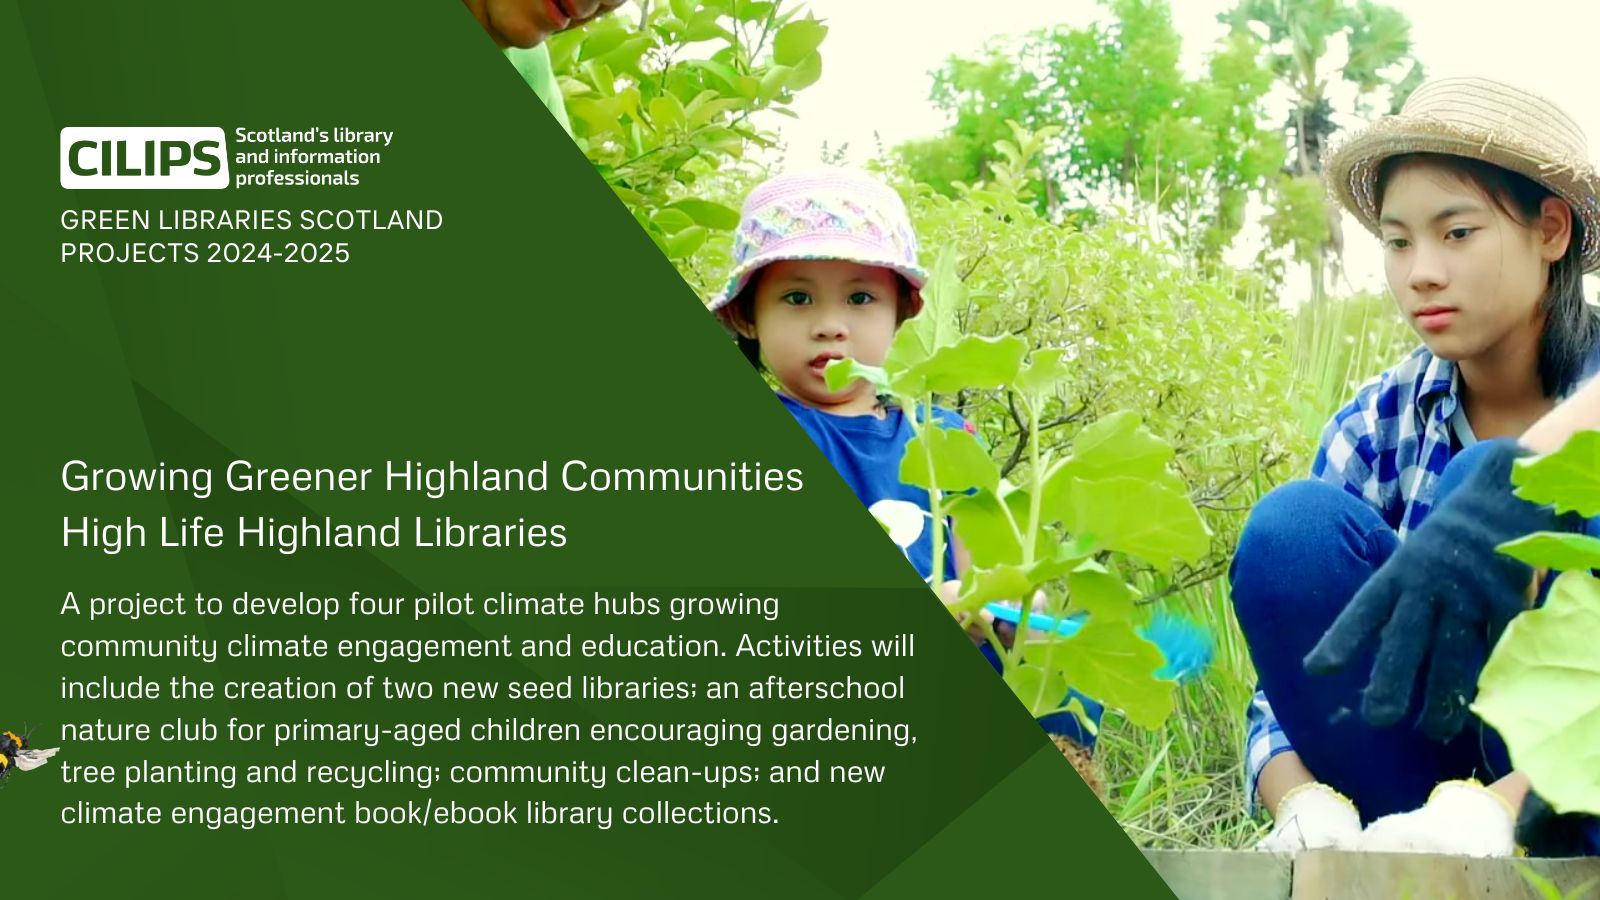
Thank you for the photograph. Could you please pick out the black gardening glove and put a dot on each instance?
(1444, 596)
(1546, 832)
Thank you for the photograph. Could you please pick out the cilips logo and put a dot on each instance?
(135, 158)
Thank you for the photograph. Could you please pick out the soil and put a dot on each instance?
(1083, 762)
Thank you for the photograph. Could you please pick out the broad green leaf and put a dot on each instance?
(975, 361)
(1050, 654)
(724, 75)
(598, 41)
(840, 373)
(686, 242)
(1045, 370)
(605, 83)
(959, 461)
(1102, 594)
(935, 325)
(1541, 692)
(707, 213)
(625, 58)
(1046, 653)
(722, 140)
(807, 73)
(701, 113)
(1065, 558)
(753, 10)
(980, 586)
(599, 116)
(1086, 721)
(1568, 478)
(772, 83)
(797, 40)
(564, 48)
(1115, 446)
(985, 531)
(628, 195)
(1119, 444)
(671, 220)
(1555, 550)
(1040, 690)
(1145, 519)
(704, 26)
(683, 9)
(1110, 662)
(678, 157)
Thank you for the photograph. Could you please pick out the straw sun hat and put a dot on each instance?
(1481, 119)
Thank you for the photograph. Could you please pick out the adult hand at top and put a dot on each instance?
(1443, 598)
(526, 23)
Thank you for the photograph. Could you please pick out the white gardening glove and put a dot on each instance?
(1461, 818)
(1313, 816)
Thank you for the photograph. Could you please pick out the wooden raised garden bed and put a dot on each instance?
(1247, 875)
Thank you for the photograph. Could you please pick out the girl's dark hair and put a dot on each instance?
(1572, 327)
(744, 310)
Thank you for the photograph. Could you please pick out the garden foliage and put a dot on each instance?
(1133, 394)
(664, 98)
(1541, 688)
(1066, 526)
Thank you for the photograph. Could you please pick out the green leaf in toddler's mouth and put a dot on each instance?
(841, 373)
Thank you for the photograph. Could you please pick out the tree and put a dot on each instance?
(1141, 328)
(980, 95)
(663, 105)
(1301, 37)
(1132, 123)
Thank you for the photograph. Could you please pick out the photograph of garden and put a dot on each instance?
(1260, 354)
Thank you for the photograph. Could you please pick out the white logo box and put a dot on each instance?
(141, 145)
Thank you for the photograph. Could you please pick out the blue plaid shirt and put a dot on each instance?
(1388, 446)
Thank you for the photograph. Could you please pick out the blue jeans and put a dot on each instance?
(1065, 724)
(1306, 549)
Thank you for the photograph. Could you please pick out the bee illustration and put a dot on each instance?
(16, 754)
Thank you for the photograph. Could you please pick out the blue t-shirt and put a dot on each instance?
(866, 451)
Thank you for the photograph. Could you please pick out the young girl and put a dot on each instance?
(1485, 202)
(825, 267)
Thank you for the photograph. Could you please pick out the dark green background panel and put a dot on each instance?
(539, 323)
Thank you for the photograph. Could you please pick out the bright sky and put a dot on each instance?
(878, 54)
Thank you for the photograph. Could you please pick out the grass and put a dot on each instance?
(1339, 344)
(1182, 786)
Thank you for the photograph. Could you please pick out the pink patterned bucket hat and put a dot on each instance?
(823, 214)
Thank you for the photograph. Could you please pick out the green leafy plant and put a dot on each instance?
(1145, 330)
(662, 102)
(1125, 122)
(1125, 300)
(1065, 527)
(1541, 687)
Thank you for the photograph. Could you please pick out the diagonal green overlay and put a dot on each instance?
(538, 323)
